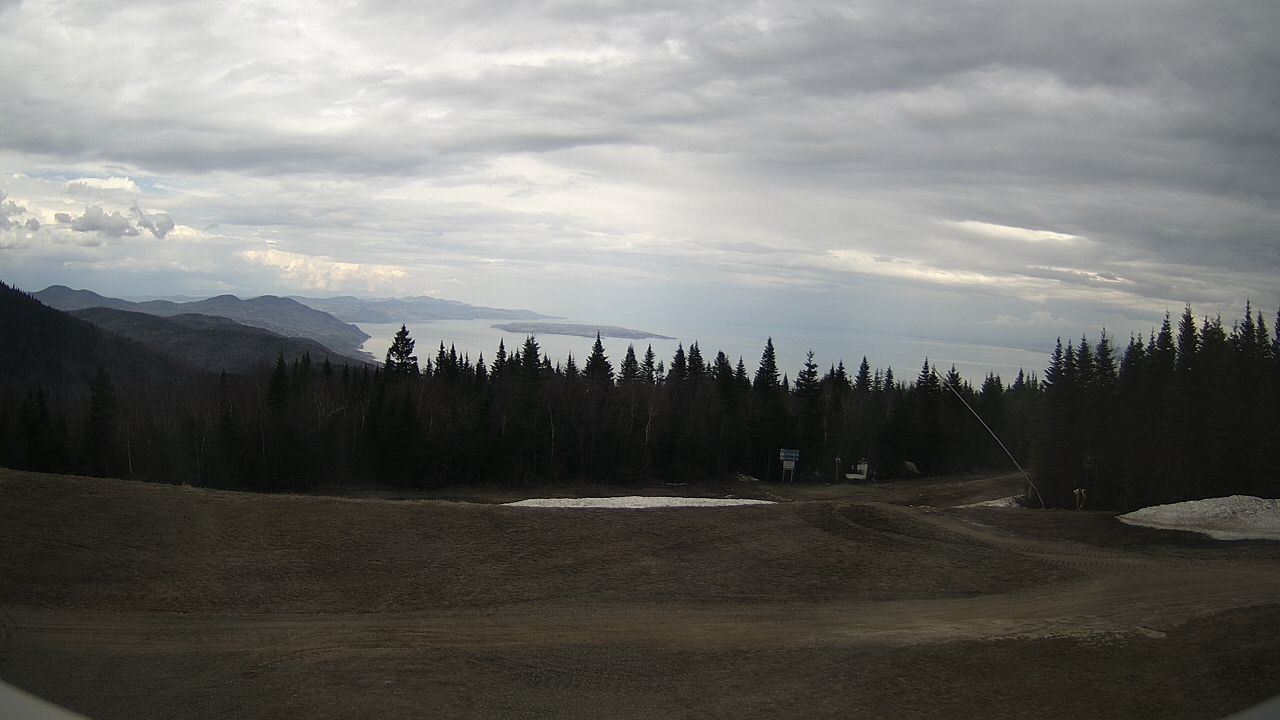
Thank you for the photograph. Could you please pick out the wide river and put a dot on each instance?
(905, 355)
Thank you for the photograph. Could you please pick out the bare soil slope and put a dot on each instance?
(130, 600)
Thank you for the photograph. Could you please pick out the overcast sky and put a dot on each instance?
(983, 171)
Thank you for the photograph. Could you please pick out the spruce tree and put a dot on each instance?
(954, 380)
(1163, 352)
(767, 373)
(697, 367)
(648, 371)
(1188, 343)
(723, 373)
(630, 371)
(499, 360)
(841, 376)
(862, 381)
(278, 386)
(101, 431)
(598, 370)
(806, 386)
(400, 359)
(530, 359)
(679, 371)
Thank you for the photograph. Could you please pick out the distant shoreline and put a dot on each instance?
(576, 330)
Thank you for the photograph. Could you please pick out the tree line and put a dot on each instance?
(1183, 413)
(1174, 416)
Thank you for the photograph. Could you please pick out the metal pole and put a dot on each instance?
(993, 434)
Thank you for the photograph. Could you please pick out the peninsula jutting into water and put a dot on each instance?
(612, 331)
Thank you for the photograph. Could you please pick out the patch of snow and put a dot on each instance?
(1237, 517)
(635, 502)
(1004, 502)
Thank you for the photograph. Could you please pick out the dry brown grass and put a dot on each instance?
(131, 600)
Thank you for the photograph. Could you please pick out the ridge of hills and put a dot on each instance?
(39, 343)
(209, 342)
(282, 316)
(422, 308)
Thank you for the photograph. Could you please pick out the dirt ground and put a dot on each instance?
(127, 600)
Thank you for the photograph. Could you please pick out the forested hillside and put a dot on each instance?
(283, 316)
(1173, 417)
(206, 341)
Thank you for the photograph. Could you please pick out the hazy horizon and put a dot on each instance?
(742, 338)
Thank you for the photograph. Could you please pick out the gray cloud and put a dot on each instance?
(824, 147)
(158, 224)
(95, 219)
(8, 209)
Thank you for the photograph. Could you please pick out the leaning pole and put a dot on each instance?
(992, 432)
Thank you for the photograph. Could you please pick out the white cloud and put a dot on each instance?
(907, 269)
(1038, 318)
(323, 273)
(85, 184)
(1010, 232)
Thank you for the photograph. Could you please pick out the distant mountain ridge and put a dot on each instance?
(209, 342)
(422, 308)
(41, 344)
(282, 316)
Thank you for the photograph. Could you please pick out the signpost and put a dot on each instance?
(788, 456)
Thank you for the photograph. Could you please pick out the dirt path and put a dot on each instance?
(842, 602)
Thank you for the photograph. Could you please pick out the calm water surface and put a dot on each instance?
(905, 355)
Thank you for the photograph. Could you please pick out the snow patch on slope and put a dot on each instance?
(635, 502)
(1236, 517)
(1004, 502)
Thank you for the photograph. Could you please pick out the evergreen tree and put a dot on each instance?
(806, 386)
(723, 374)
(1104, 362)
(101, 431)
(927, 382)
(598, 370)
(648, 371)
(531, 359)
(1163, 353)
(697, 367)
(679, 366)
(1053, 374)
(39, 443)
(767, 373)
(400, 359)
(1188, 342)
(841, 376)
(954, 379)
(862, 381)
(499, 360)
(278, 386)
(630, 371)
